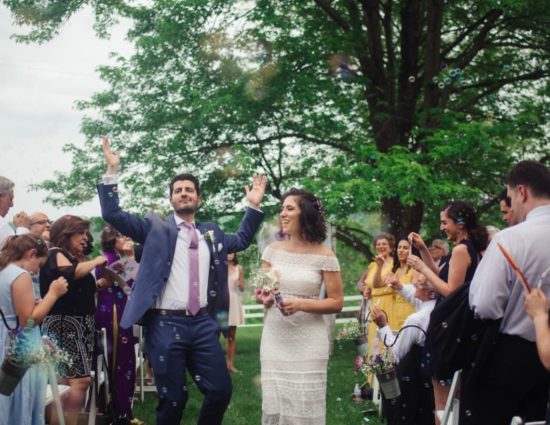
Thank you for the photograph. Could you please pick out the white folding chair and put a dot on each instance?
(449, 416)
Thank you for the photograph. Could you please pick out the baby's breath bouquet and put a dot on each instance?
(266, 284)
(25, 349)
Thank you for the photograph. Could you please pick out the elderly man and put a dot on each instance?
(20, 220)
(40, 225)
(514, 382)
(438, 249)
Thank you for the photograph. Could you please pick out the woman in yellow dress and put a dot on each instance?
(403, 273)
(374, 287)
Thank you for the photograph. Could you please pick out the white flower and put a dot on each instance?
(209, 234)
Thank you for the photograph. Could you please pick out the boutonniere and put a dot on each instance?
(209, 234)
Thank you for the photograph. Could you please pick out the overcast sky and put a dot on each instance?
(39, 85)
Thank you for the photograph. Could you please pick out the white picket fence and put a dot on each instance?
(254, 313)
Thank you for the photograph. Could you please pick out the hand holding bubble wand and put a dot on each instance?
(515, 267)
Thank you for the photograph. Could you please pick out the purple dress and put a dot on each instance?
(120, 345)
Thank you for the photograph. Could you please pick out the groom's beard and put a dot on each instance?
(186, 210)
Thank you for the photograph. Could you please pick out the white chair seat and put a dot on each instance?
(49, 394)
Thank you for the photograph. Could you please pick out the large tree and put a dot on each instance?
(388, 106)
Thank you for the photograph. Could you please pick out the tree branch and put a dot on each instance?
(333, 14)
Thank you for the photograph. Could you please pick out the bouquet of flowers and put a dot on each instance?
(378, 363)
(26, 349)
(266, 284)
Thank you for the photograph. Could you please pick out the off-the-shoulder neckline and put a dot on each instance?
(300, 253)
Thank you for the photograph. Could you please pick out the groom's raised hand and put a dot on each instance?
(112, 159)
(255, 194)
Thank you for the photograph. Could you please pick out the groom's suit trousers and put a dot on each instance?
(176, 343)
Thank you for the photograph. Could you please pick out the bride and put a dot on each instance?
(295, 347)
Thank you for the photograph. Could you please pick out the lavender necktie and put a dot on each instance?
(193, 303)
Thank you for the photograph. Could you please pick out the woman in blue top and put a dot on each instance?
(21, 256)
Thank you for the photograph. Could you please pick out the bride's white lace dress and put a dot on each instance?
(295, 349)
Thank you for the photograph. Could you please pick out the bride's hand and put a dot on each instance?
(289, 307)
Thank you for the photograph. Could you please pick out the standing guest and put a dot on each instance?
(439, 249)
(40, 225)
(20, 220)
(505, 205)
(514, 381)
(182, 280)
(402, 273)
(416, 404)
(459, 222)
(536, 306)
(294, 348)
(375, 287)
(111, 302)
(235, 282)
(22, 256)
(70, 322)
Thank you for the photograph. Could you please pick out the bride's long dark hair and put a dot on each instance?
(313, 227)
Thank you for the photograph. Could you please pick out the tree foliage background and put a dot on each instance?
(389, 108)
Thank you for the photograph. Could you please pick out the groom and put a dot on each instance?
(180, 294)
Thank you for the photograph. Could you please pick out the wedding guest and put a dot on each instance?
(294, 348)
(235, 281)
(505, 205)
(70, 322)
(20, 220)
(22, 256)
(111, 302)
(40, 225)
(438, 250)
(416, 404)
(459, 222)
(536, 306)
(514, 381)
(402, 273)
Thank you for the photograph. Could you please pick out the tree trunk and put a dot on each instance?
(400, 220)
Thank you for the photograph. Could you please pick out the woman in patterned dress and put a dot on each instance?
(295, 346)
(70, 322)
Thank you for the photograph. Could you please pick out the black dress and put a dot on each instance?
(70, 322)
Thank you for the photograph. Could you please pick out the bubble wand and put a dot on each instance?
(515, 267)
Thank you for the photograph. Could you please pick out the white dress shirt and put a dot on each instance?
(6, 231)
(495, 291)
(409, 336)
(176, 292)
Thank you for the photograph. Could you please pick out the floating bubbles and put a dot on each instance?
(506, 68)
(213, 294)
(443, 66)
(448, 80)
(197, 378)
(223, 319)
(412, 79)
(124, 340)
(468, 117)
(184, 388)
(435, 80)
(452, 97)
(441, 85)
(161, 358)
(444, 325)
(164, 390)
(468, 413)
(458, 340)
(338, 399)
(174, 403)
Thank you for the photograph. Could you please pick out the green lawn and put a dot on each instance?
(245, 407)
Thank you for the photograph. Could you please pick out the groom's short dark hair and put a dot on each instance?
(185, 176)
(532, 174)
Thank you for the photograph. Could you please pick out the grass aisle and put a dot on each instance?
(245, 407)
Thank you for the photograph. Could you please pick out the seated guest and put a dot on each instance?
(416, 403)
(70, 322)
(438, 250)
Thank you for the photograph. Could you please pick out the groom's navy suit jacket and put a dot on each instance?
(158, 237)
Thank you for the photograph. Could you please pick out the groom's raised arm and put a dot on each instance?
(128, 224)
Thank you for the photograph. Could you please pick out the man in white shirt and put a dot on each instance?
(20, 220)
(514, 382)
(415, 405)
